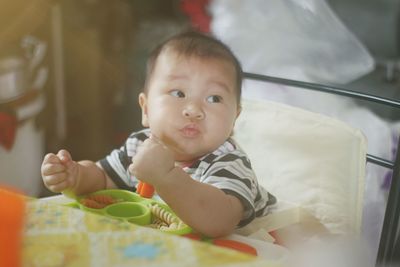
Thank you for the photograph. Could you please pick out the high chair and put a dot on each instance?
(315, 166)
(307, 160)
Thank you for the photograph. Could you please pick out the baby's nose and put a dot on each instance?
(193, 111)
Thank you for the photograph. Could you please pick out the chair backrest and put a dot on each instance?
(308, 159)
(390, 229)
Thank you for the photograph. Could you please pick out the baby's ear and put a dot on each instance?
(143, 106)
(238, 111)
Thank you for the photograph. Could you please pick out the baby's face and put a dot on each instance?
(191, 104)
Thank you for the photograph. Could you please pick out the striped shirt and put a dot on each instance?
(227, 168)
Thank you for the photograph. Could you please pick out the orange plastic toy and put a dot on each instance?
(236, 245)
(145, 190)
(227, 243)
(12, 212)
(193, 236)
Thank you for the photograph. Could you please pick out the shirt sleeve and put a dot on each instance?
(233, 174)
(117, 162)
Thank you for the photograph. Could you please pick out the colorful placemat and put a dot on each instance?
(57, 235)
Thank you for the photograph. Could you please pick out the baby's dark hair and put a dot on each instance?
(192, 43)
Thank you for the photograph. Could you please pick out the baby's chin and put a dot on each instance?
(186, 157)
(190, 154)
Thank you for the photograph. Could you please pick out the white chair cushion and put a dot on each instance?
(308, 159)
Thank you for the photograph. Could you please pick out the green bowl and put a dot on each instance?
(119, 195)
(133, 212)
(131, 208)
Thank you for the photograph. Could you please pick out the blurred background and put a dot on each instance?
(87, 77)
(71, 70)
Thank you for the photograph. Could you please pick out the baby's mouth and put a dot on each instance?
(190, 131)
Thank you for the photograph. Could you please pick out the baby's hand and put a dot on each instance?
(59, 172)
(152, 162)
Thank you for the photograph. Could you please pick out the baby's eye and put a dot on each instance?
(214, 99)
(177, 93)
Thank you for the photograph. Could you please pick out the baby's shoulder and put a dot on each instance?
(134, 140)
(140, 135)
(228, 153)
(229, 148)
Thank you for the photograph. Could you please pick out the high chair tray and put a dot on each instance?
(132, 208)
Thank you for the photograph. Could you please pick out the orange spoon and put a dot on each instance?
(145, 190)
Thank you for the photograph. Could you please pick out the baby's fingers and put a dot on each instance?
(56, 182)
(57, 188)
(51, 158)
(64, 156)
(52, 168)
(54, 178)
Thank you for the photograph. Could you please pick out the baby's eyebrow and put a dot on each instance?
(221, 85)
(173, 77)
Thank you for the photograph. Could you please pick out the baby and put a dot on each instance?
(190, 103)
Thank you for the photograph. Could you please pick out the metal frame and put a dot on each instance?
(389, 235)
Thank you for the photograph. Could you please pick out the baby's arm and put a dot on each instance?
(60, 173)
(205, 208)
